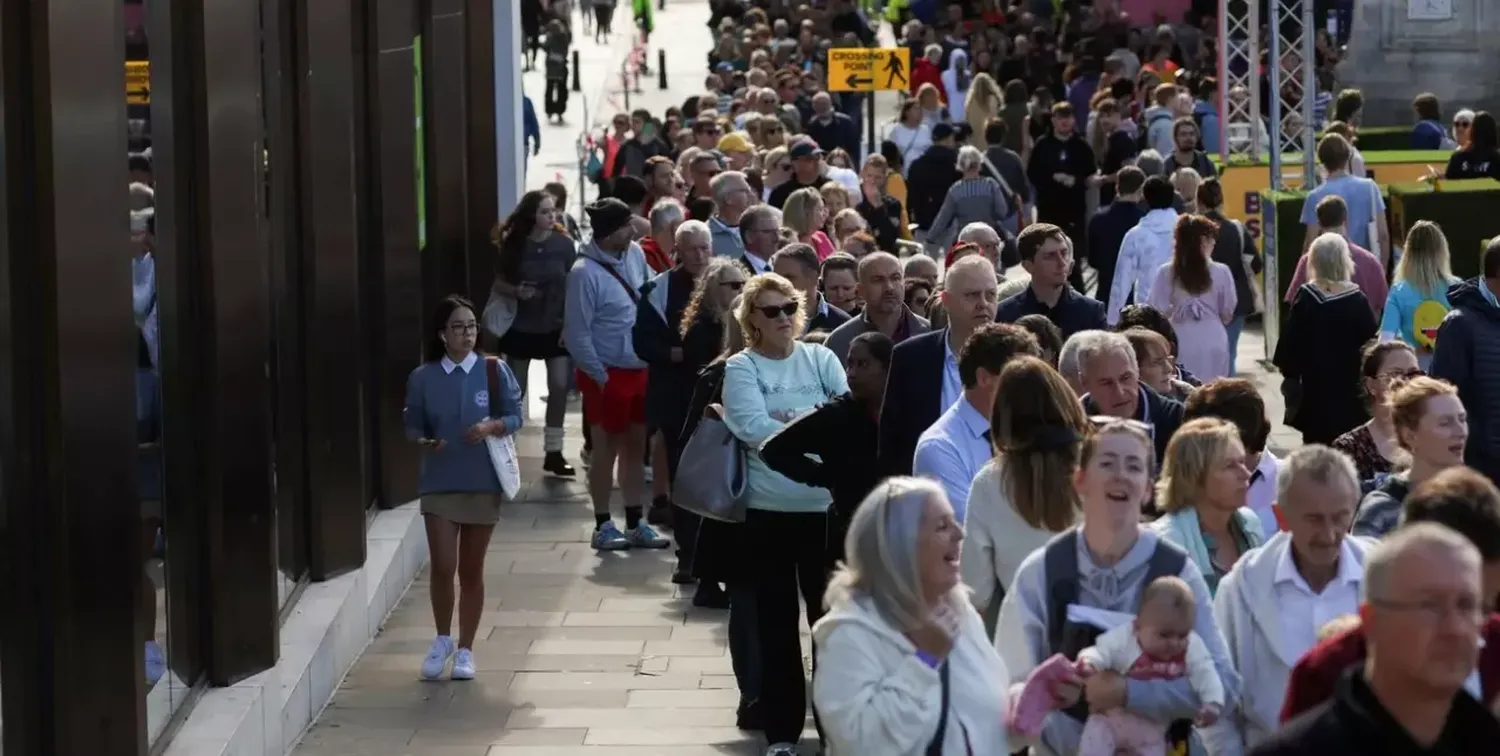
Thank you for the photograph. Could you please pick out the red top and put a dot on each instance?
(1318, 671)
(924, 72)
(659, 261)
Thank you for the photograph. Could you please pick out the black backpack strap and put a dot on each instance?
(1166, 561)
(1061, 567)
(935, 748)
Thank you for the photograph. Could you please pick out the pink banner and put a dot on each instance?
(1151, 12)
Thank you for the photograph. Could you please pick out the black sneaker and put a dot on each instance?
(710, 596)
(660, 512)
(556, 464)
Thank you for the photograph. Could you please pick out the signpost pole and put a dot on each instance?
(874, 149)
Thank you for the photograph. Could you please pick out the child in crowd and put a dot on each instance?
(1158, 645)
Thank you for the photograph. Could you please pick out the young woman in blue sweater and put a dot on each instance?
(449, 412)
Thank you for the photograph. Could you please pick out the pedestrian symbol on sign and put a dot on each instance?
(893, 67)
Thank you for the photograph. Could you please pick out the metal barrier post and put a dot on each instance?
(661, 68)
(577, 85)
(625, 83)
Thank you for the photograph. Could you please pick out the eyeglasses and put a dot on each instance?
(733, 285)
(771, 311)
(1462, 124)
(464, 327)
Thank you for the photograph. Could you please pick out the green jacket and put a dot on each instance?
(644, 15)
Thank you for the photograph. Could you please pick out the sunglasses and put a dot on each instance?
(771, 311)
(1462, 124)
(734, 285)
(1401, 375)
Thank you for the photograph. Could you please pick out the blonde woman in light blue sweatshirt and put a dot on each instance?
(773, 380)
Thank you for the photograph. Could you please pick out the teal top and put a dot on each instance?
(761, 395)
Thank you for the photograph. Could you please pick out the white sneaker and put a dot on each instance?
(463, 665)
(437, 657)
(782, 749)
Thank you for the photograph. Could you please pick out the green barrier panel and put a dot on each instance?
(1383, 138)
(1464, 209)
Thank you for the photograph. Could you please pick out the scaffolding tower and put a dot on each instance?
(1239, 82)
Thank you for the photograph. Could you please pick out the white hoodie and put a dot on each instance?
(958, 90)
(874, 696)
(1252, 615)
(1145, 248)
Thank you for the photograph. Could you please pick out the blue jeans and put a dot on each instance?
(1233, 328)
(744, 638)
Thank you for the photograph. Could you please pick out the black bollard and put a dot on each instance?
(577, 86)
(661, 69)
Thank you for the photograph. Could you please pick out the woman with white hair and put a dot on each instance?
(905, 667)
(1319, 351)
(974, 199)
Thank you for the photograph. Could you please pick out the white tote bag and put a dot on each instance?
(502, 449)
(499, 314)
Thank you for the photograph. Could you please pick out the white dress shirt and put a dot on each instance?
(953, 384)
(1261, 495)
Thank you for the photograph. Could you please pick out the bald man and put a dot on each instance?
(924, 377)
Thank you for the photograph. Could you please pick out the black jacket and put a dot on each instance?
(927, 183)
(1056, 203)
(1106, 232)
(826, 321)
(1355, 722)
(656, 333)
(884, 221)
(830, 447)
(1162, 414)
(1468, 356)
(839, 132)
(913, 398)
(1074, 312)
(1230, 247)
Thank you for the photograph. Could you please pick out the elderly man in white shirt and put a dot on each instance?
(1272, 605)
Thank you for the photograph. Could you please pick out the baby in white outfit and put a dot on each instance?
(1158, 645)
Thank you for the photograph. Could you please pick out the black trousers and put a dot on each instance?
(555, 99)
(798, 567)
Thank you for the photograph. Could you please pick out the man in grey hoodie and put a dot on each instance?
(599, 315)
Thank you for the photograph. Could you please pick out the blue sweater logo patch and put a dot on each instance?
(482, 399)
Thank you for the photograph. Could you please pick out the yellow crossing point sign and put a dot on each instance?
(864, 69)
(138, 82)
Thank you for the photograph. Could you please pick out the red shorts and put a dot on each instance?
(620, 403)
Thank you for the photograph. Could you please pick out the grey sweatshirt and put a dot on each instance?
(599, 314)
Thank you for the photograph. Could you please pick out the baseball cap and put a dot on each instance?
(734, 141)
(942, 131)
(804, 147)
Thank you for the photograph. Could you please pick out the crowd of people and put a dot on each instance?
(1020, 509)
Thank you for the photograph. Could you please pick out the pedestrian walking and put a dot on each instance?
(559, 43)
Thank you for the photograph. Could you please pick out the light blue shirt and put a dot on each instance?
(953, 385)
(952, 451)
(1362, 196)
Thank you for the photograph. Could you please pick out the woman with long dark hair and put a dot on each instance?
(1197, 295)
(450, 411)
(531, 267)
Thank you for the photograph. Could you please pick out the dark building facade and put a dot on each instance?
(290, 277)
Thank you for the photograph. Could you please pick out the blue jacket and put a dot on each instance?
(1207, 117)
(599, 317)
(531, 130)
(1468, 356)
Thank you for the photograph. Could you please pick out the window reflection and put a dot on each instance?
(165, 690)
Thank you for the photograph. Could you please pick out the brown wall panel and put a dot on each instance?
(229, 179)
(398, 288)
(444, 269)
(67, 362)
(331, 266)
(483, 197)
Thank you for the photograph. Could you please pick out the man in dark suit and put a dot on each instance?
(1108, 373)
(798, 263)
(923, 380)
(760, 228)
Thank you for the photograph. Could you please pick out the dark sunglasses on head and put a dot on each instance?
(771, 311)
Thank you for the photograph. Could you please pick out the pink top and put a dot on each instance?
(821, 244)
(1202, 339)
(1369, 276)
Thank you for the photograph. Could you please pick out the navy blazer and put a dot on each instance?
(913, 398)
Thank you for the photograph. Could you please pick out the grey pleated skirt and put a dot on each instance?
(464, 508)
